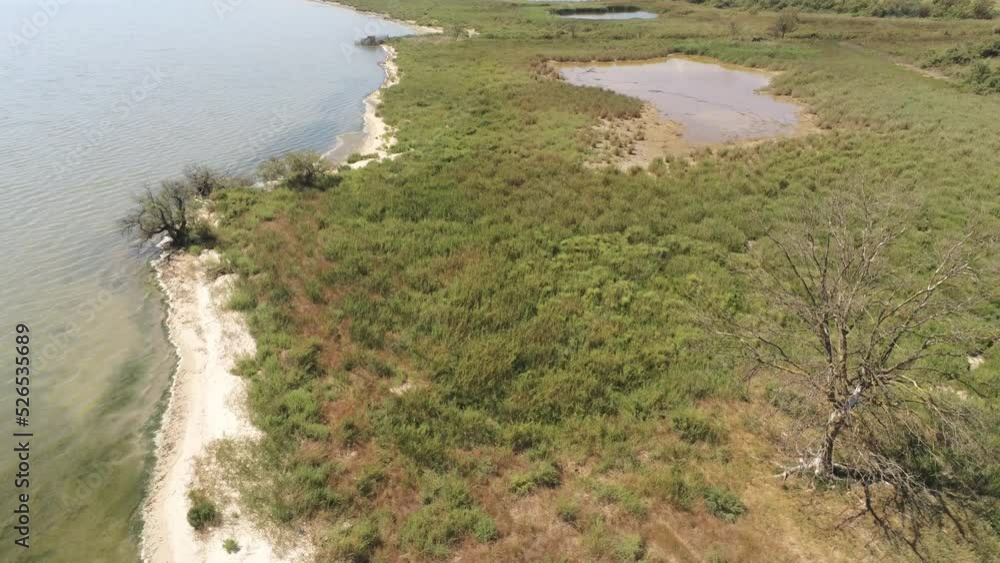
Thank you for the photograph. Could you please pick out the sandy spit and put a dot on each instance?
(378, 138)
(207, 403)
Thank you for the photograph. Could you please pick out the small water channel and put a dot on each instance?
(714, 103)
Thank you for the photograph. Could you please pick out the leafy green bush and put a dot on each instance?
(984, 79)
(203, 513)
(302, 169)
(355, 542)
(723, 504)
(230, 546)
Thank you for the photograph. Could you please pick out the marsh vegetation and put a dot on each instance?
(487, 349)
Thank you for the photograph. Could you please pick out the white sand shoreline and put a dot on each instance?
(377, 137)
(207, 403)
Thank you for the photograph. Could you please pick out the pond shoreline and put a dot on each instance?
(656, 133)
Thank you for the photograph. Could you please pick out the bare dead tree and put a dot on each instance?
(166, 211)
(203, 179)
(786, 22)
(877, 355)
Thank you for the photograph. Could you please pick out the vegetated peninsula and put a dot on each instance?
(542, 321)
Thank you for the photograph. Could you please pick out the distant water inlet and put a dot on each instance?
(713, 103)
(604, 13)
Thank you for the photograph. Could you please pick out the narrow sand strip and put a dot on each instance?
(207, 403)
(379, 137)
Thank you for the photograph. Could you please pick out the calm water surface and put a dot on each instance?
(98, 97)
(714, 103)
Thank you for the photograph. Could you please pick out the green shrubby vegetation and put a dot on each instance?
(203, 512)
(231, 546)
(541, 311)
(298, 170)
(975, 9)
(723, 504)
(449, 514)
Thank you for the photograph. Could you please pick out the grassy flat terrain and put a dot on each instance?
(488, 349)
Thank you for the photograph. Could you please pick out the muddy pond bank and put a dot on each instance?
(691, 103)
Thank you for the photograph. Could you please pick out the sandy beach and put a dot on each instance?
(207, 403)
(378, 138)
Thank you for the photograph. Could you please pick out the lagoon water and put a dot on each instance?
(637, 15)
(714, 103)
(97, 98)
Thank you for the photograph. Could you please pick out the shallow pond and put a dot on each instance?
(611, 16)
(713, 103)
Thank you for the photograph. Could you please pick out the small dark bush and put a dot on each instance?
(355, 543)
(202, 513)
(230, 546)
(304, 169)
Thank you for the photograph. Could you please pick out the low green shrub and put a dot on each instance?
(355, 542)
(230, 546)
(630, 547)
(983, 78)
(545, 474)
(449, 514)
(723, 504)
(298, 170)
(203, 513)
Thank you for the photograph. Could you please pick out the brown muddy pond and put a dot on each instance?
(712, 102)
